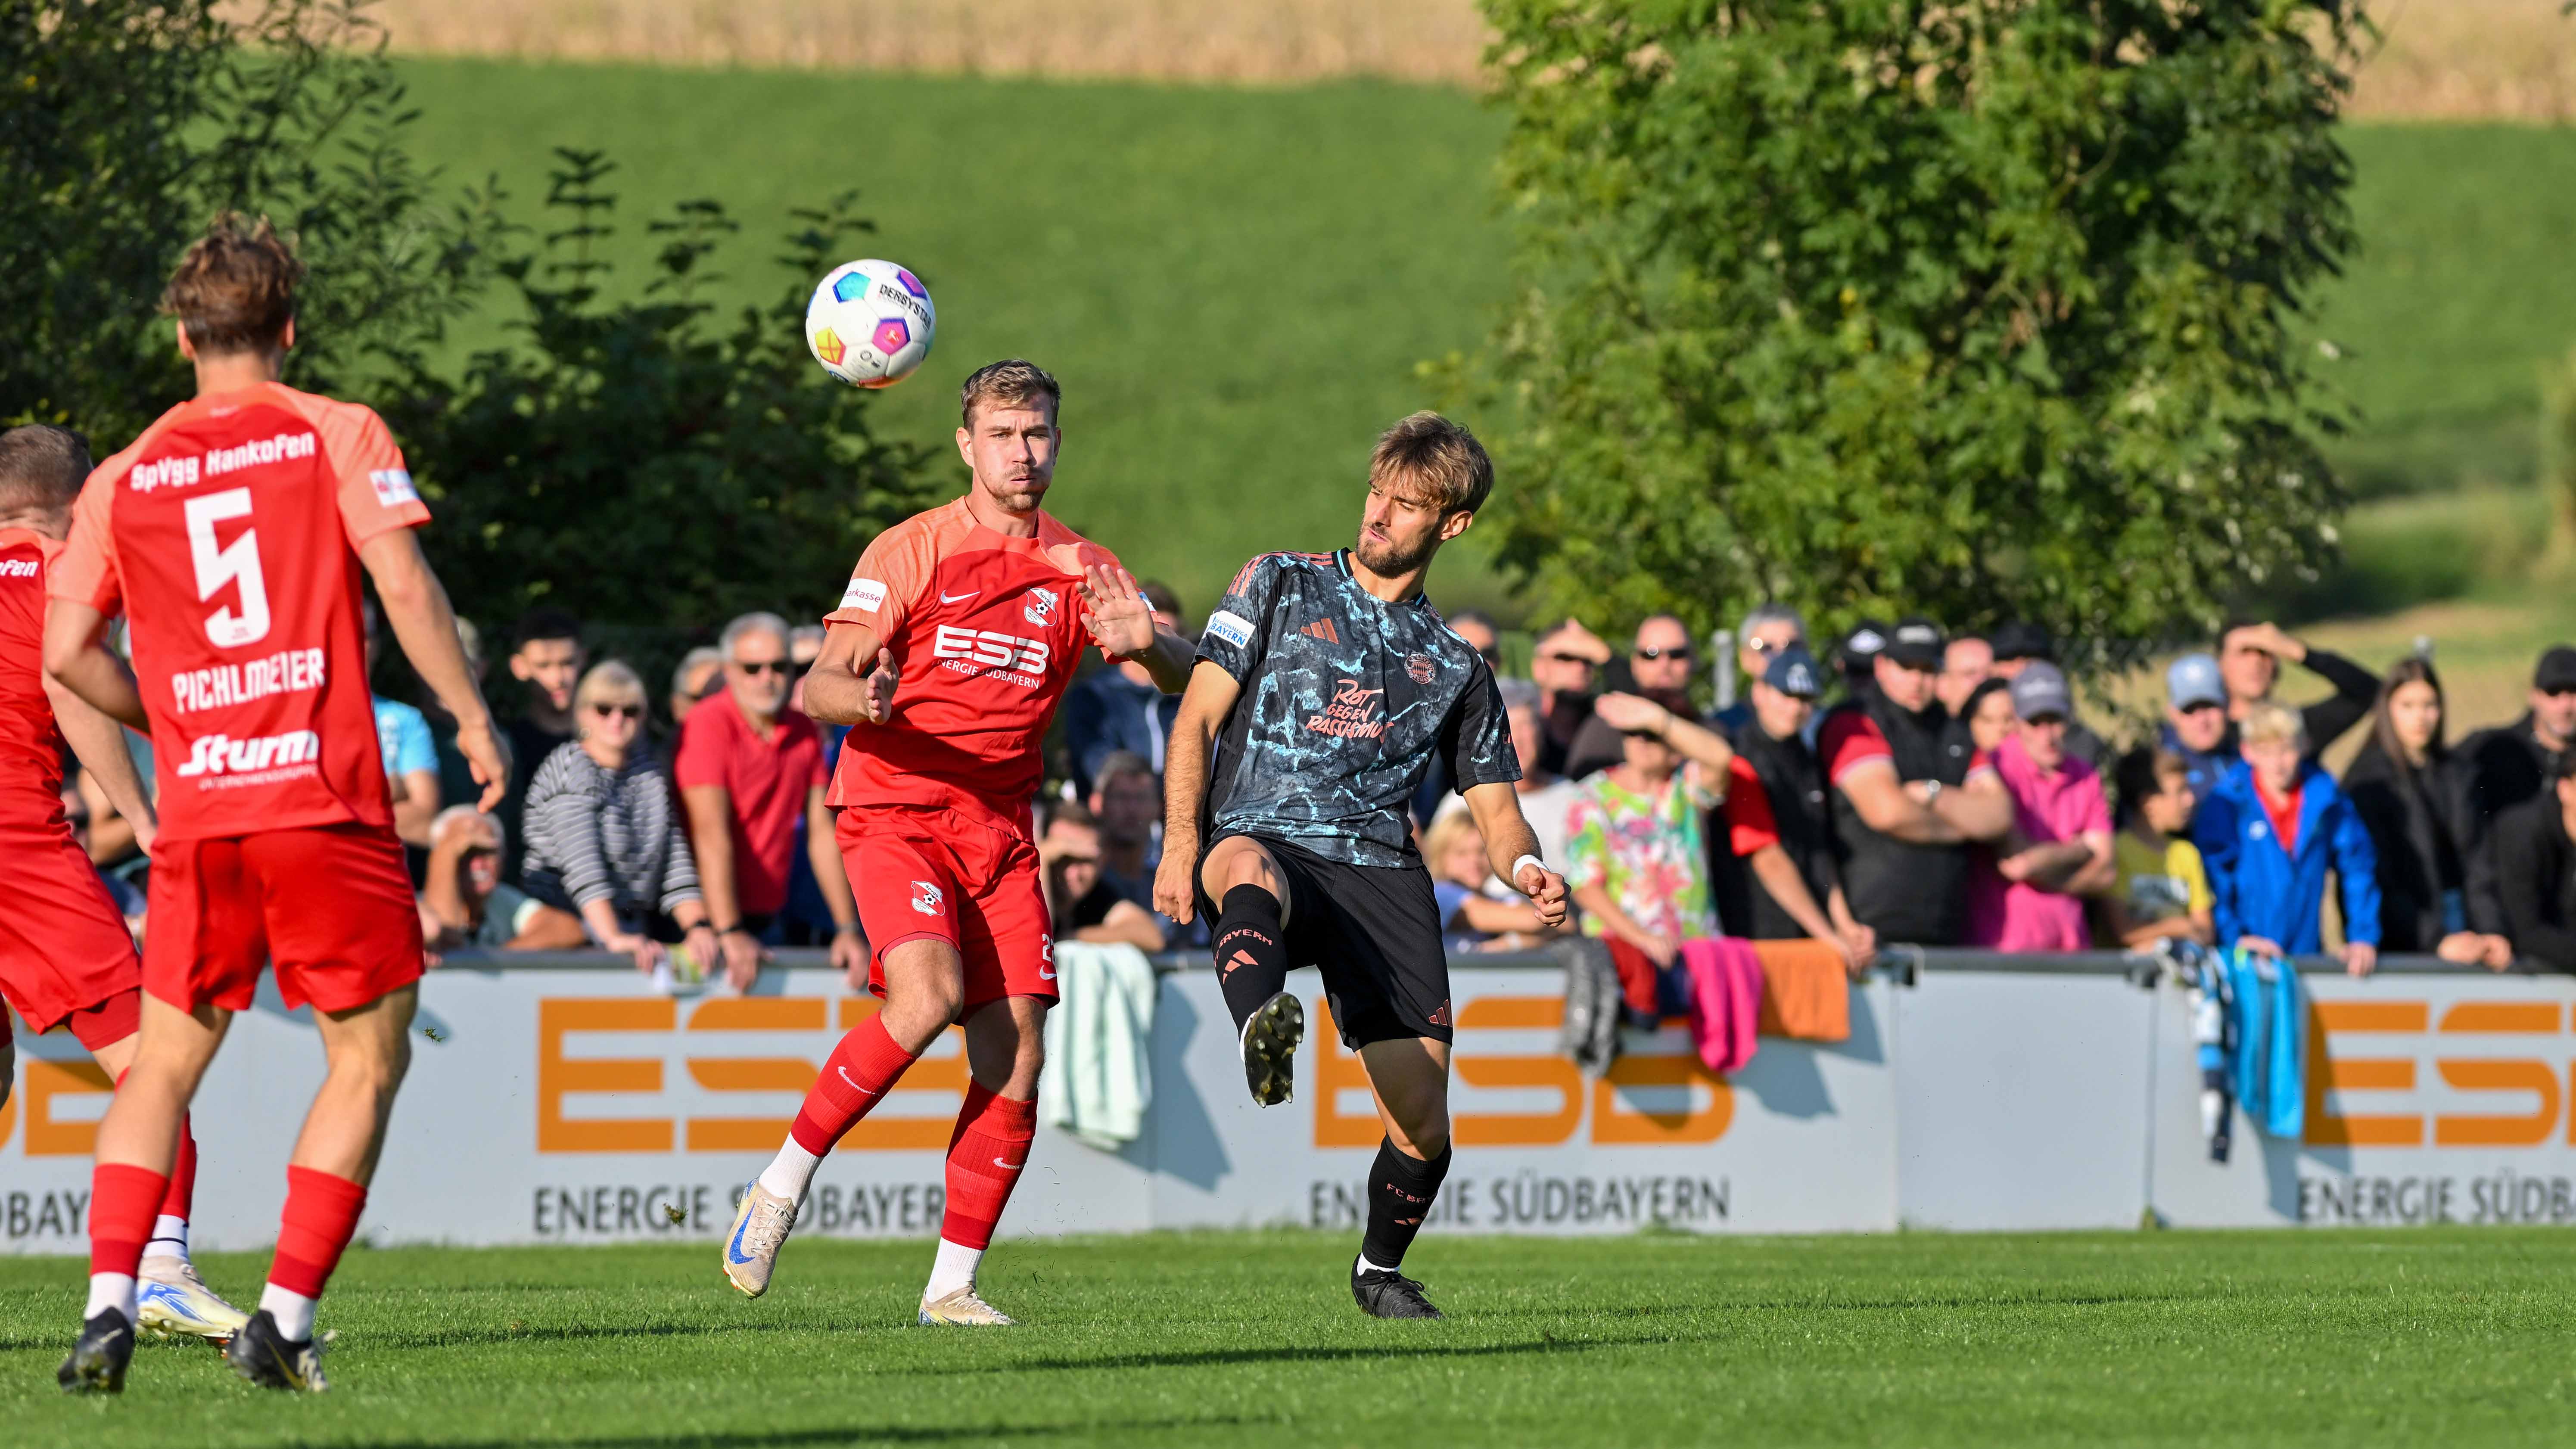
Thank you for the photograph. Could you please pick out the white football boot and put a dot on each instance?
(751, 1249)
(963, 1309)
(171, 1299)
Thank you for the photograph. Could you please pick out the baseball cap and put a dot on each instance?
(1793, 671)
(1862, 644)
(2557, 671)
(2193, 679)
(1917, 643)
(2021, 639)
(2040, 689)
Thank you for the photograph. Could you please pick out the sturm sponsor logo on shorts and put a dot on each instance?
(258, 755)
(18, 568)
(289, 671)
(1006, 657)
(196, 468)
(867, 595)
(1352, 714)
(1231, 627)
(925, 898)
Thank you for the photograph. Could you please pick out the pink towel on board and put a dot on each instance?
(1726, 1001)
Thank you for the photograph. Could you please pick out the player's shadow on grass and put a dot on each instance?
(1283, 1353)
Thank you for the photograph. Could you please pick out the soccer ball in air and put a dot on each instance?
(870, 323)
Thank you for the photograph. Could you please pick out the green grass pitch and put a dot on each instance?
(2448, 1337)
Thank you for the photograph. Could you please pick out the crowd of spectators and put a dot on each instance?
(1902, 785)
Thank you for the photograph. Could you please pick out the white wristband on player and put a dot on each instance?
(1526, 860)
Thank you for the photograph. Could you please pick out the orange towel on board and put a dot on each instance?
(1805, 994)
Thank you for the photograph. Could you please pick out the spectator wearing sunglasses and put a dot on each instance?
(701, 674)
(750, 770)
(1769, 630)
(1565, 664)
(2510, 764)
(604, 837)
(1119, 707)
(2196, 729)
(1659, 663)
(1485, 637)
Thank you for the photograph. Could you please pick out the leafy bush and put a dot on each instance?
(1978, 310)
(127, 123)
(640, 461)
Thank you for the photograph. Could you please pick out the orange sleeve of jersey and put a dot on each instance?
(1073, 553)
(85, 570)
(889, 580)
(375, 491)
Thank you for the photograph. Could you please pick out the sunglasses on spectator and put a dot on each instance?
(611, 711)
(1678, 651)
(2560, 693)
(763, 666)
(1761, 646)
(1554, 657)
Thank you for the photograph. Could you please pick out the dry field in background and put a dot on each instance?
(2450, 59)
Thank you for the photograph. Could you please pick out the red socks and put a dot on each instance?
(864, 1065)
(321, 1216)
(123, 1200)
(985, 1157)
(183, 1175)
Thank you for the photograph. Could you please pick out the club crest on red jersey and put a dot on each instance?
(925, 898)
(1040, 608)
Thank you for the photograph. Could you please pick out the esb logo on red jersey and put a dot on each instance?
(981, 651)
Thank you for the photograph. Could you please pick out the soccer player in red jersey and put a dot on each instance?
(957, 636)
(231, 536)
(65, 957)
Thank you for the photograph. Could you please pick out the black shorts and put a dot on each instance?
(1374, 933)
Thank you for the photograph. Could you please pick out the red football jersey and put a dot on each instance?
(985, 630)
(31, 745)
(227, 535)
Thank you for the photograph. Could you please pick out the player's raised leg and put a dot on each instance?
(138, 1143)
(921, 978)
(1250, 942)
(1005, 1048)
(1410, 1078)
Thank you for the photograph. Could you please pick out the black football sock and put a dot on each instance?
(1400, 1190)
(1251, 957)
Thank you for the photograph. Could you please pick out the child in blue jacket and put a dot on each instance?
(2267, 834)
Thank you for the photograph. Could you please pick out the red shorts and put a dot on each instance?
(941, 875)
(63, 946)
(331, 904)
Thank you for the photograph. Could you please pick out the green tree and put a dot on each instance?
(638, 460)
(126, 124)
(1979, 309)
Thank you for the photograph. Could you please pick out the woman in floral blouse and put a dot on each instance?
(1636, 856)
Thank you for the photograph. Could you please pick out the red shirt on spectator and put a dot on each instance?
(767, 781)
(1749, 822)
(1850, 737)
(2284, 813)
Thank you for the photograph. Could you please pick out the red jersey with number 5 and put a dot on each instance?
(227, 535)
(985, 630)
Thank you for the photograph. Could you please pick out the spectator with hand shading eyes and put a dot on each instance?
(1565, 664)
(1637, 859)
(1659, 661)
(697, 678)
(1082, 906)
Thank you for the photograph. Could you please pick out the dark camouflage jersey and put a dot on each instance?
(1346, 698)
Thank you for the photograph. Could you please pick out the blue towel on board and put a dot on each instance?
(2269, 1055)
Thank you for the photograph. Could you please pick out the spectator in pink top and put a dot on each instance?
(2027, 894)
(749, 768)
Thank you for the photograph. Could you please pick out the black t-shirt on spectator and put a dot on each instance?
(2536, 878)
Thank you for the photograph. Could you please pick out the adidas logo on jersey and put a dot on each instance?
(224, 755)
(1322, 629)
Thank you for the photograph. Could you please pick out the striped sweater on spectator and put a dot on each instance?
(595, 833)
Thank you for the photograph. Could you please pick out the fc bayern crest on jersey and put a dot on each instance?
(1041, 607)
(1420, 667)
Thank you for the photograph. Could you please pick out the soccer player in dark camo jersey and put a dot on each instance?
(1325, 686)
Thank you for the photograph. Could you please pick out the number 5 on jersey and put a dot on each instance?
(237, 563)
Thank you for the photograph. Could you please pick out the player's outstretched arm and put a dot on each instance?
(1122, 622)
(840, 689)
(1204, 706)
(100, 743)
(1511, 847)
(424, 624)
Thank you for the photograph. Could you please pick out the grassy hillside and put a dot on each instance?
(1235, 284)
(1232, 286)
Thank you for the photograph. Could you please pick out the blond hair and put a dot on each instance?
(610, 679)
(1438, 456)
(1447, 829)
(2271, 724)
